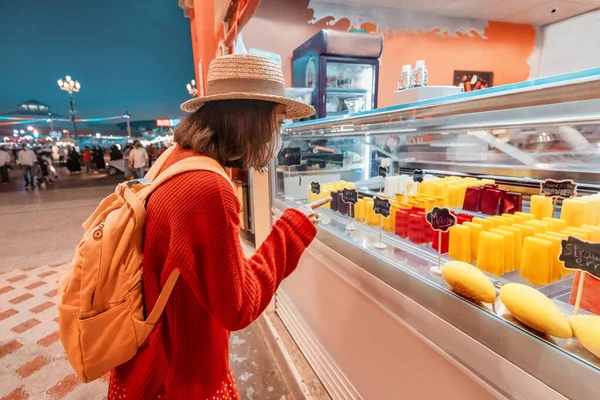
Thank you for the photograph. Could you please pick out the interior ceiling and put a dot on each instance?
(535, 12)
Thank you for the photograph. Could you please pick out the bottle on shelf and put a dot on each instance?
(419, 75)
(405, 80)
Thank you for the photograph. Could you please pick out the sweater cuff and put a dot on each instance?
(301, 225)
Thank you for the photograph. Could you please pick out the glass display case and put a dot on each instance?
(484, 157)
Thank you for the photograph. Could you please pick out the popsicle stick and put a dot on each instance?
(440, 250)
(379, 245)
(579, 292)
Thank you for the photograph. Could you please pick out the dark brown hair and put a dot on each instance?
(236, 133)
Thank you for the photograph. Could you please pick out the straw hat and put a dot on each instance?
(245, 76)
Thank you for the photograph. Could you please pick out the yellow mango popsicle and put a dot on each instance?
(509, 248)
(574, 212)
(459, 245)
(595, 235)
(495, 223)
(586, 234)
(490, 255)
(557, 265)
(359, 211)
(557, 224)
(487, 224)
(474, 230)
(593, 209)
(541, 206)
(518, 243)
(515, 218)
(539, 226)
(488, 181)
(525, 216)
(454, 195)
(526, 231)
(536, 261)
(503, 220)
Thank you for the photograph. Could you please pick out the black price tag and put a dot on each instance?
(441, 219)
(418, 175)
(350, 196)
(382, 206)
(382, 171)
(581, 255)
(315, 187)
(564, 189)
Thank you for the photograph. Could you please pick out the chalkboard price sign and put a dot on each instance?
(418, 175)
(350, 196)
(315, 187)
(382, 171)
(564, 189)
(441, 219)
(581, 255)
(382, 206)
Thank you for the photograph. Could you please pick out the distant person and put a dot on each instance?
(193, 228)
(127, 170)
(87, 159)
(115, 153)
(5, 159)
(74, 161)
(27, 159)
(62, 153)
(138, 159)
(99, 159)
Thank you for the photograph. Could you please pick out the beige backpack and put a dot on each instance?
(100, 297)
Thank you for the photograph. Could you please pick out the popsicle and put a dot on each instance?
(541, 206)
(595, 235)
(574, 212)
(539, 226)
(441, 190)
(515, 218)
(509, 248)
(513, 202)
(474, 230)
(593, 209)
(518, 244)
(556, 224)
(486, 223)
(425, 188)
(536, 261)
(525, 230)
(583, 233)
(325, 193)
(359, 211)
(459, 246)
(502, 220)
(472, 196)
(389, 223)
(402, 222)
(557, 265)
(490, 255)
(454, 196)
(525, 216)
(562, 236)
(488, 181)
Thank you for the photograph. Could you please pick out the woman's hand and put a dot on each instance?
(310, 209)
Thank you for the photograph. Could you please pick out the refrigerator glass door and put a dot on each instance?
(349, 88)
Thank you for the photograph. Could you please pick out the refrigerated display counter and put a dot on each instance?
(380, 323)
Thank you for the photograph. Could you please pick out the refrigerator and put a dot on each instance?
(342, 68)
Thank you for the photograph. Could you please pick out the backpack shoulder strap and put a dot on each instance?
(188, 164)
(159, 163)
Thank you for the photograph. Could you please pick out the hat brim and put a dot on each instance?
(293, 109)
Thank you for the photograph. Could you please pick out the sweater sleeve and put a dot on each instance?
(233, 288)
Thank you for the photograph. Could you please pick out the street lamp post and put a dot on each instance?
(191, 87)
(70, 86)
(127, 117)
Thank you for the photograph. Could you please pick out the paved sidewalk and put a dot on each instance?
(32, 361)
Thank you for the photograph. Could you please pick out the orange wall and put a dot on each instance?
(282, 25)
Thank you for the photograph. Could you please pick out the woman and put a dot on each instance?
(193, 224)
(74, 161)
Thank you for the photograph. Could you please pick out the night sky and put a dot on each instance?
(127, 54)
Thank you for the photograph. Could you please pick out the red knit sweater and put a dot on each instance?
(193, 224)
